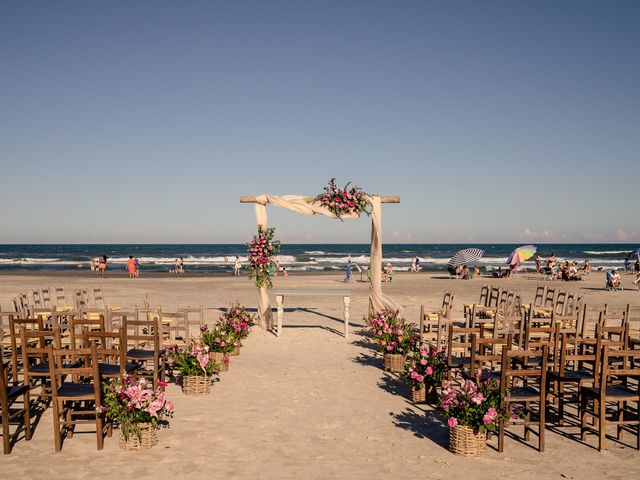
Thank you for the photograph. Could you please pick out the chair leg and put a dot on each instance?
(582, 411)
(57, 434)
(620, 432)
(6, 441)
(68, 423)
(542, 425)
(27, 416)
(602, 426)
(99, 431)
(501, 436)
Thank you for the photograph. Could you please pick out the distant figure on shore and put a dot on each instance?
(94, 265)
(347, 273)
(636, 267)
(131, 267)
(179, 266)
(285, 273)
(102, 265)
(466, 273)
(137, 265)
(387, 275)
(236, 267)
(538, 260)
(417, 264)
(277, 270)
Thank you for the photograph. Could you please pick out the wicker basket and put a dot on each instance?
(425, 394)
(464, 441)
(221, 359)
(394, 362)
(236, 351)
(196, 385)
(148, 438)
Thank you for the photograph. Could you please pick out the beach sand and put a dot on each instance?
(309, 404)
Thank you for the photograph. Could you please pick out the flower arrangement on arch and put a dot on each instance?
(238, 320)
(262, 250)
(192, 360)
(474, 404)
(426, 366)
(391, 332)
(130, 402)
(343, 201)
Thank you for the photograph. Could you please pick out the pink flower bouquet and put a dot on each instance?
(391, 332)
(344, 201)
(426, 366)
(238, 321)
(130, 403)
(475, 404)
(262, 250)
(192, 360)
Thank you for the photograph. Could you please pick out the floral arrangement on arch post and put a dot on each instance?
(426, 366)
(475, 404)
(343, 201)
(392, 333)
(262, 250)
(192, 360)
(129, 403)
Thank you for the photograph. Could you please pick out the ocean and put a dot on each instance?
(219, 258)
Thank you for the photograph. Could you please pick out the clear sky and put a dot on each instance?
(145, 121)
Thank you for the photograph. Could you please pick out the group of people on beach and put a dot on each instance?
(566, 271)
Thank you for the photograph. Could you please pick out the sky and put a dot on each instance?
(144, 122)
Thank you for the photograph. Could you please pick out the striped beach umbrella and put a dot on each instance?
(521, 254)
(465, 257)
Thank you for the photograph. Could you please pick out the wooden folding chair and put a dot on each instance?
(486, 355)
(34, 346)
(15, 324)
(612, 391)
(144, 344)
(75, 400)
(533, 391)
(459, 348)
(111, 348)
(10, 413)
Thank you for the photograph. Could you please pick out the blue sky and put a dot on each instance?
(494, 121)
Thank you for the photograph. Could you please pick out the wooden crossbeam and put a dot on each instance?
(384, 199)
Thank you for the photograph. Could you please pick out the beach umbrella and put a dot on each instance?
(521, 254)
(465, 257)
(635, 252)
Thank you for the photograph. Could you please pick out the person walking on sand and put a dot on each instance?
(102, 265)
(137, 264)
(131, 267)
(347, 277)
(236, 267)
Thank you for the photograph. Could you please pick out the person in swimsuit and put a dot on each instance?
(131, 267)
(102, 265)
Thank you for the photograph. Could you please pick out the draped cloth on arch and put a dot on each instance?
(300, 204)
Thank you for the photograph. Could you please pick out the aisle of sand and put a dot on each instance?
(308, 404)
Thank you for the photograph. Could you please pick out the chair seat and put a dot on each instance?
(140, 354)
(523, 393)
(44, 367)
(570, 376)
(486, 375)
(16, 391)
(457, 362)
(71, 390)
(617, 392)
(109, 369)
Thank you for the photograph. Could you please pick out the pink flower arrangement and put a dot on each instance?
(474, 404)
(426, 366)
(221, 338)
(262, 250)
(344, 201)
(192, 360)
(238, 320)
(130, 402)
(391, 332)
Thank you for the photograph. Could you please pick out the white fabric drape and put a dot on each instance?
(301, 204)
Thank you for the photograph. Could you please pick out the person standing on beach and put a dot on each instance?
(236, 267)
(347, 277)
(131, 267)
(102, 265)
(137, 264)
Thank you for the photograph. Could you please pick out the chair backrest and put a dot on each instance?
(81, 300)
(98, 298)
(37, 301)
(632, 314)
(195, 319)
(532, 367)
(15, 324)
(60, 296)
(561, 300)
(64, 362)
(538, 299)
(175, 326)
(486, 353)
(34, 345)
(494, 297)
(111, 347)
(143, 332)
(566, 353)
(614, 336)
(46, 297)
(589, 318)
(537, 338)
(78, 324)
(504, 325)
(573, 304)
(549, 298)
(484, 295)
(616, 367)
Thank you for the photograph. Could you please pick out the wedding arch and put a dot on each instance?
(306, 206)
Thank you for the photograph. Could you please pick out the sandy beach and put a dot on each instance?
(309, 404)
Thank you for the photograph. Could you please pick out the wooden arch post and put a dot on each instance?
(305, 206)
